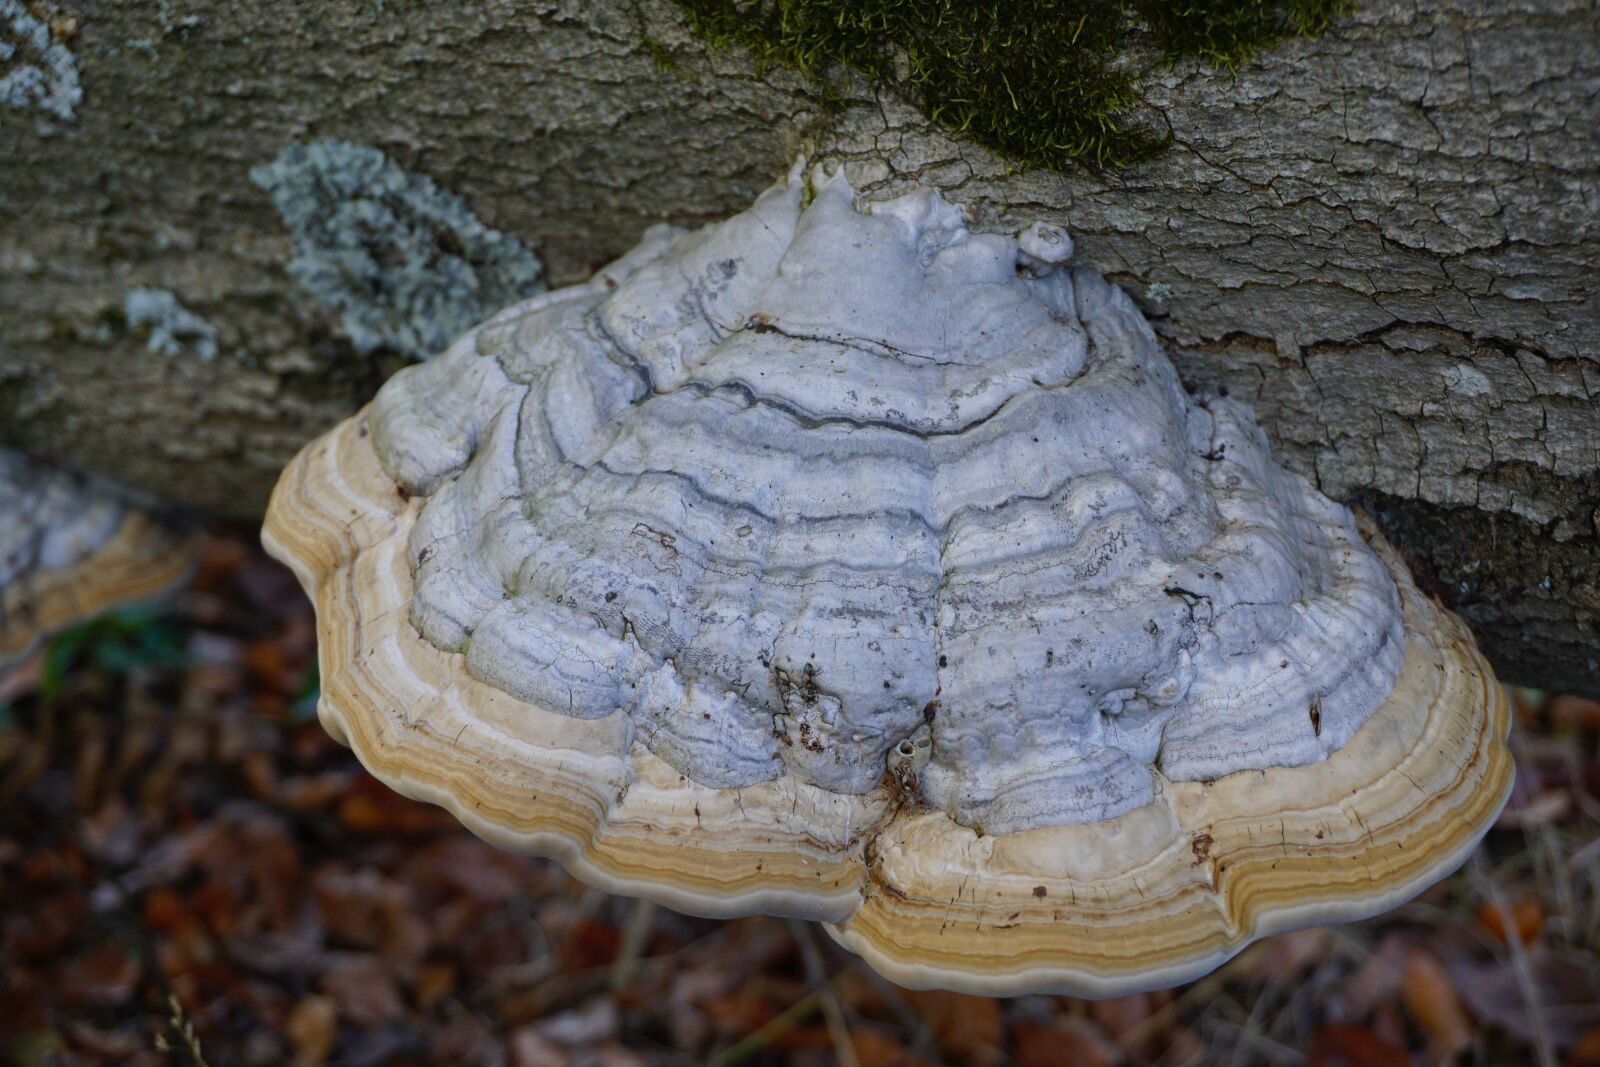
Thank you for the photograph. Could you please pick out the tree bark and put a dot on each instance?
(1385, 239)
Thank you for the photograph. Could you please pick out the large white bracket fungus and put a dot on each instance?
(854, 565)
(72, 548)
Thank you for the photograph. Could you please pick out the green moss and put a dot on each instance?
(1043, 82)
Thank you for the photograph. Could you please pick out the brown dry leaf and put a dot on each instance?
(1122, 1017)
(1352, 1046)
(873, 1048)
(968, 1030)
(434, 982)
(1377, 980)
(364, 988)
(1527, 919)
(740, 1011)
(1431, 998)
(1035, 1045)
(367, 910)
(464, 1039)
(1586, 1053)
(105, 974)
(813, 1038)
(1121, 1014)
(1575, 714)
(373, 808)
(220, 557)
(260, 774)
(686, 1022)
(1389, 1023)
(590, 944)
(1568, 990)
(271, 666)
(1185, 1048)
(115, 1045)
(612, 1054)
(313, 1029)
(1287, 956)
(312, 792)
(529, 1048)
(462, 865)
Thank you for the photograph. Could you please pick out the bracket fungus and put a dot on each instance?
(850, 564)
(70, 549)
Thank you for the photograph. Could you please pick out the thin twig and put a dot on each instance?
(776, 1027)
(832, 1013)
(1158, 1019)
(919, 1037)
(641, 920)
(1274, 1050)
(1520, 967)
(1251, 1029)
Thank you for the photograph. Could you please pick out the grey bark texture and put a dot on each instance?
(1386, 240)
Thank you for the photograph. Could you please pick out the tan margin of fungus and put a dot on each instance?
(1150, 899)
(143, 560)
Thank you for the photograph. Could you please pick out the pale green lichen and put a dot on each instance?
(166, 325)
(402, 264)
(36, 72)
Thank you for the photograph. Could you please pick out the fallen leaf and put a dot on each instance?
(1377, 980)
(611, 1054)
(105, 974)
(1586, 1053)
(364, 909)
(529, 1048)
(968, 1030)
(434, 982)
(113, 1044)
(1061, 1045)
(364, 988)
(1336, 1045)
(1119, 1016)
(1287, 956)
(873, 1048)
(590, 944)
(373, 808)
(1568, 990)
(1527, 919)
(1185, 1048)
(1569, 713)
(1431, 998)
(312, 1028)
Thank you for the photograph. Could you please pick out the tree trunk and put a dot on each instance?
(1385, 239)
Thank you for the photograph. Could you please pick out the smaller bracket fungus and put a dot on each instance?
(72, 548)
(849, 564)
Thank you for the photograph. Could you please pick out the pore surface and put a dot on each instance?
(842, 494)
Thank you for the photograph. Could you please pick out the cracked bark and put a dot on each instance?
(1386, 240)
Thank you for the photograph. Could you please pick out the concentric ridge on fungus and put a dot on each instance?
(852, 564)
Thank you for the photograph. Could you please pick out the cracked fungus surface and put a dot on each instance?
(862, 495)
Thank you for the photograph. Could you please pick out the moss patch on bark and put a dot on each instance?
(1044, 82)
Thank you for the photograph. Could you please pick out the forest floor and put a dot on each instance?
(192, 872)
